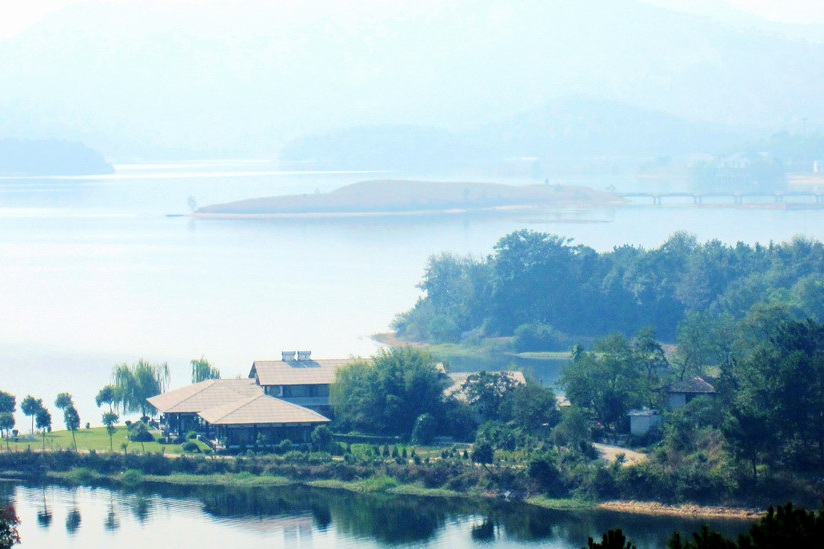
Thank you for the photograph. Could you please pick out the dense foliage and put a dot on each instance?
(386, 394)
(547, 290)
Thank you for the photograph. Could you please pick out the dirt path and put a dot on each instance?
(610, 453)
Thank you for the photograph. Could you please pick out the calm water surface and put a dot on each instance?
(94, 273)
(59, 517)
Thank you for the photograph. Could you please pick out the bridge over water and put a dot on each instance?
(733, 198)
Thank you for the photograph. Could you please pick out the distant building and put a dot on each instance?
(643, 421)
(681, 392)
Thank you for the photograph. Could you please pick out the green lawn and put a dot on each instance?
(95, 439)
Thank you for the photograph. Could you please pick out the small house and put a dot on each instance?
(681, 392)
(643, 421)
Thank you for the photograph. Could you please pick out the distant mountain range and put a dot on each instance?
(563, 130)
(166, 80)
(49, 157)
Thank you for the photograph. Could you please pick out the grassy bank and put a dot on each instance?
(95, 439)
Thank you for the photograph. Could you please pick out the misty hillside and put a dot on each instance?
(49, 157)
(205, 79)
(572, 128)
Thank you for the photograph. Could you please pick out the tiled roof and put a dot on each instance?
(694, 385)
(260, 410)
(203, 395)
(297, 372)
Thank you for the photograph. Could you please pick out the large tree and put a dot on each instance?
(485, 391)
(387, 393)
(608, 381)
(138, 382)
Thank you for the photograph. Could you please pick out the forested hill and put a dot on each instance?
(49, 157)
(551, 293)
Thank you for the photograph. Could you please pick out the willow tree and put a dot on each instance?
(135, 383)
(202, 370)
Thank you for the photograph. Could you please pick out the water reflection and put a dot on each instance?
(141, 506)
(318, 518)
(484, 531)
(73, 520)
(44, 515)
(112, 522)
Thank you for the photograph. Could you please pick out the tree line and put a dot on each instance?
(550, 293)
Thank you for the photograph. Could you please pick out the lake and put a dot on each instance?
(94, 273)
(215, 517)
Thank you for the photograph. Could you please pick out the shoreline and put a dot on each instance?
(645, 508)
(687, 510)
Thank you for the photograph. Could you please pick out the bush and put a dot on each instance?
(322, 438)
(132, 477)
(139, 432)
(191, 447)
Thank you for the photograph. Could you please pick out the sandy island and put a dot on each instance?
(416, 198)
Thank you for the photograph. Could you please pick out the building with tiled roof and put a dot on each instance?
(299, 379)
(180, 407)
(681, 392)
(279, 400)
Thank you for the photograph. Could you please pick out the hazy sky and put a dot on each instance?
(148, 78)
(17, 15)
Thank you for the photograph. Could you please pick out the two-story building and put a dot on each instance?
(299, 379)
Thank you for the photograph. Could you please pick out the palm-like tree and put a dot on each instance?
(109, 420)
(72, 420)
(43, 420)
(30, 406)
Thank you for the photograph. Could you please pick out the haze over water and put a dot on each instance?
(95, 273)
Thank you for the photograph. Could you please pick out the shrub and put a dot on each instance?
(132, 477)
(284, 446)
(139, 432)
(322, 438)
(191, 447)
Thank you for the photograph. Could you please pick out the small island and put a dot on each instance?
(402, 197)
